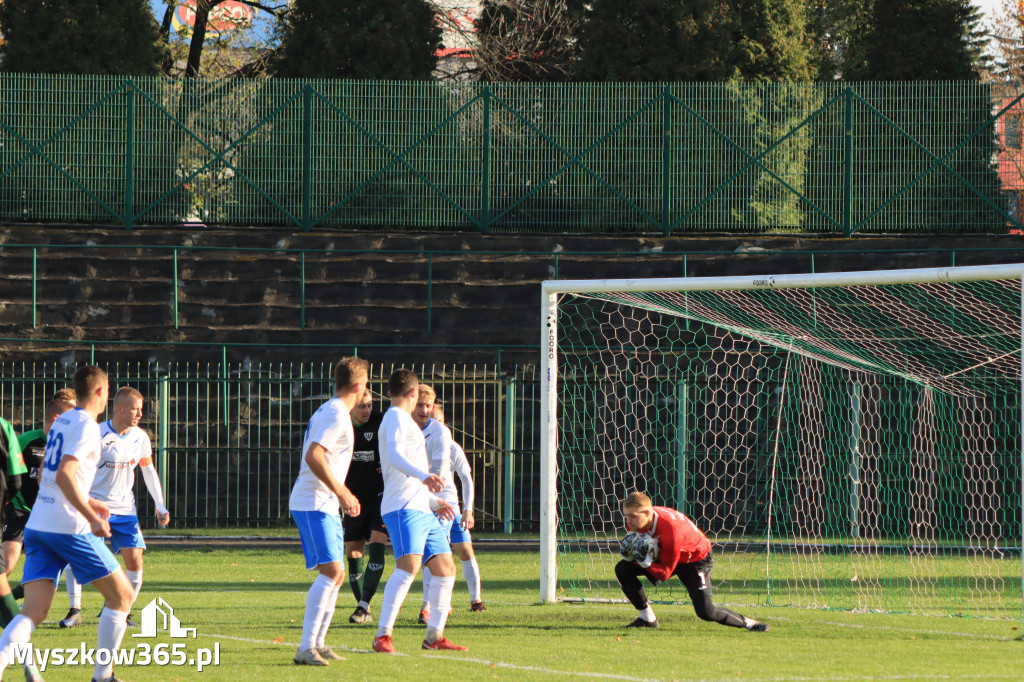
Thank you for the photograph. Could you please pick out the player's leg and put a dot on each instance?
(356, 531)
(442, 570)
(696, 578)
(628, 574)
(323, 548)
(126, 540)
(375, 553)
(462, 545)
(428, 576)
(8, 605)
(74, 589)
(408, 531)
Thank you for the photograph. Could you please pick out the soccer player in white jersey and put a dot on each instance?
(408, 507)
(458, 530)
(66, 527)
(318, 497)
(124, 446)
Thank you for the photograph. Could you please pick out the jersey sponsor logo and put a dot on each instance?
(117, 465)
(45, 498)
(362, 456)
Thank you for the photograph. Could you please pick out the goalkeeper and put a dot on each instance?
(662, 542)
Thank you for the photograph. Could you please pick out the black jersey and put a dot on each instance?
(32, 445)
(364, 477)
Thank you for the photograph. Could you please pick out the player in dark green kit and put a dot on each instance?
(367, 484)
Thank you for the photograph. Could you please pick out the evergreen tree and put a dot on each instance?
(772, 42)
(830, 26)
(80, 37)
(912, 40)
(657, 40)
(359, 39)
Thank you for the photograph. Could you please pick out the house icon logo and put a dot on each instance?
(170, 622)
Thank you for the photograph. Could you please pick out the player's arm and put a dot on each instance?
(94, 511)
(668, 556)
(397, 459)
(460, 464)
(316, 459)
(439, 451)
(152, 481)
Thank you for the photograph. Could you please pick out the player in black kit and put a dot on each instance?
(367, 484)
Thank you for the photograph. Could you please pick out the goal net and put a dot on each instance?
(847, 441)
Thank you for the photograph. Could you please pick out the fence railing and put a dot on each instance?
(227, 438)
(669, 158)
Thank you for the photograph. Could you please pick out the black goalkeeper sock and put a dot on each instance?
(374, 570)
(355, 576)
(18, 591)
(8, 609)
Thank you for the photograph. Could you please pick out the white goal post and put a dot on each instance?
(936, 339)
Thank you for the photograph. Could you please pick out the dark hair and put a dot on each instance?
(87, 380)
(350, 370)
(401, 382)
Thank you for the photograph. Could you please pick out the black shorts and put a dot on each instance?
(369, 520)
(14, 525)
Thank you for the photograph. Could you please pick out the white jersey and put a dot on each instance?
(331, 427)
(438, 439)
(115, 475)
(403, 461)
(460, 466)
(74, 434)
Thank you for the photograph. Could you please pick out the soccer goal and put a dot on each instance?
(846, 440)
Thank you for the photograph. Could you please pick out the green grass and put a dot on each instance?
(250, 601)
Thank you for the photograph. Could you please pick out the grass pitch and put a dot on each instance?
(249, 603)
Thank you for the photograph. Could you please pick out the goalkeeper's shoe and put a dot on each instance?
(73, 619)
(360, 616)
(442, 644)
(383, 645)
(477, 606)
(758, 627)
(641, 623)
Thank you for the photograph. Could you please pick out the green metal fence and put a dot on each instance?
(227, 438)
(675, 158)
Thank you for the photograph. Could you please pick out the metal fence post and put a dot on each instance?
(129, 161)
(307, 156)
(666, 170)
(485, 182)
(510, 457)
(163, 430)
(848, 164)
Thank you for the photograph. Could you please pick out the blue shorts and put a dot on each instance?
(322, 538)
(416, 532)
(125, 532)
(457, 534)
(46, 555)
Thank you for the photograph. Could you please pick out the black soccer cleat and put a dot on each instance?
(641, 623)
(130, 622)
(759, 627)
(73, 619)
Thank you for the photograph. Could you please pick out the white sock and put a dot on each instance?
(109, 633)
(365, 605)
(749, 622)
(316, 605)
(648, 614)
(395, 591)
(426, 589)
(18, 631)
(471, 572)
(325, 625)
(440, 602)
(74, 588)
(135, 578)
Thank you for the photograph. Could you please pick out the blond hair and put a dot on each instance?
(636, 500)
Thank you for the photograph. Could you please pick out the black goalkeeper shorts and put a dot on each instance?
(369, 520)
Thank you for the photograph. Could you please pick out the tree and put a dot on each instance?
(359, 39)
(830, 25)
(771, 42)
(657, 40)
(527, 40)
(914, 40)
(80, 37)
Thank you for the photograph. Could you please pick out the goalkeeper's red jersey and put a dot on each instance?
(680, 540)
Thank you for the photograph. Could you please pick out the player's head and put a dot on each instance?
(351, 374)
(127, 408)
(424, 405)
(65, 394)
(364, 407)
(637, 510)
(438, 413)
(91, 388)
(403, 384)
(54, 409)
